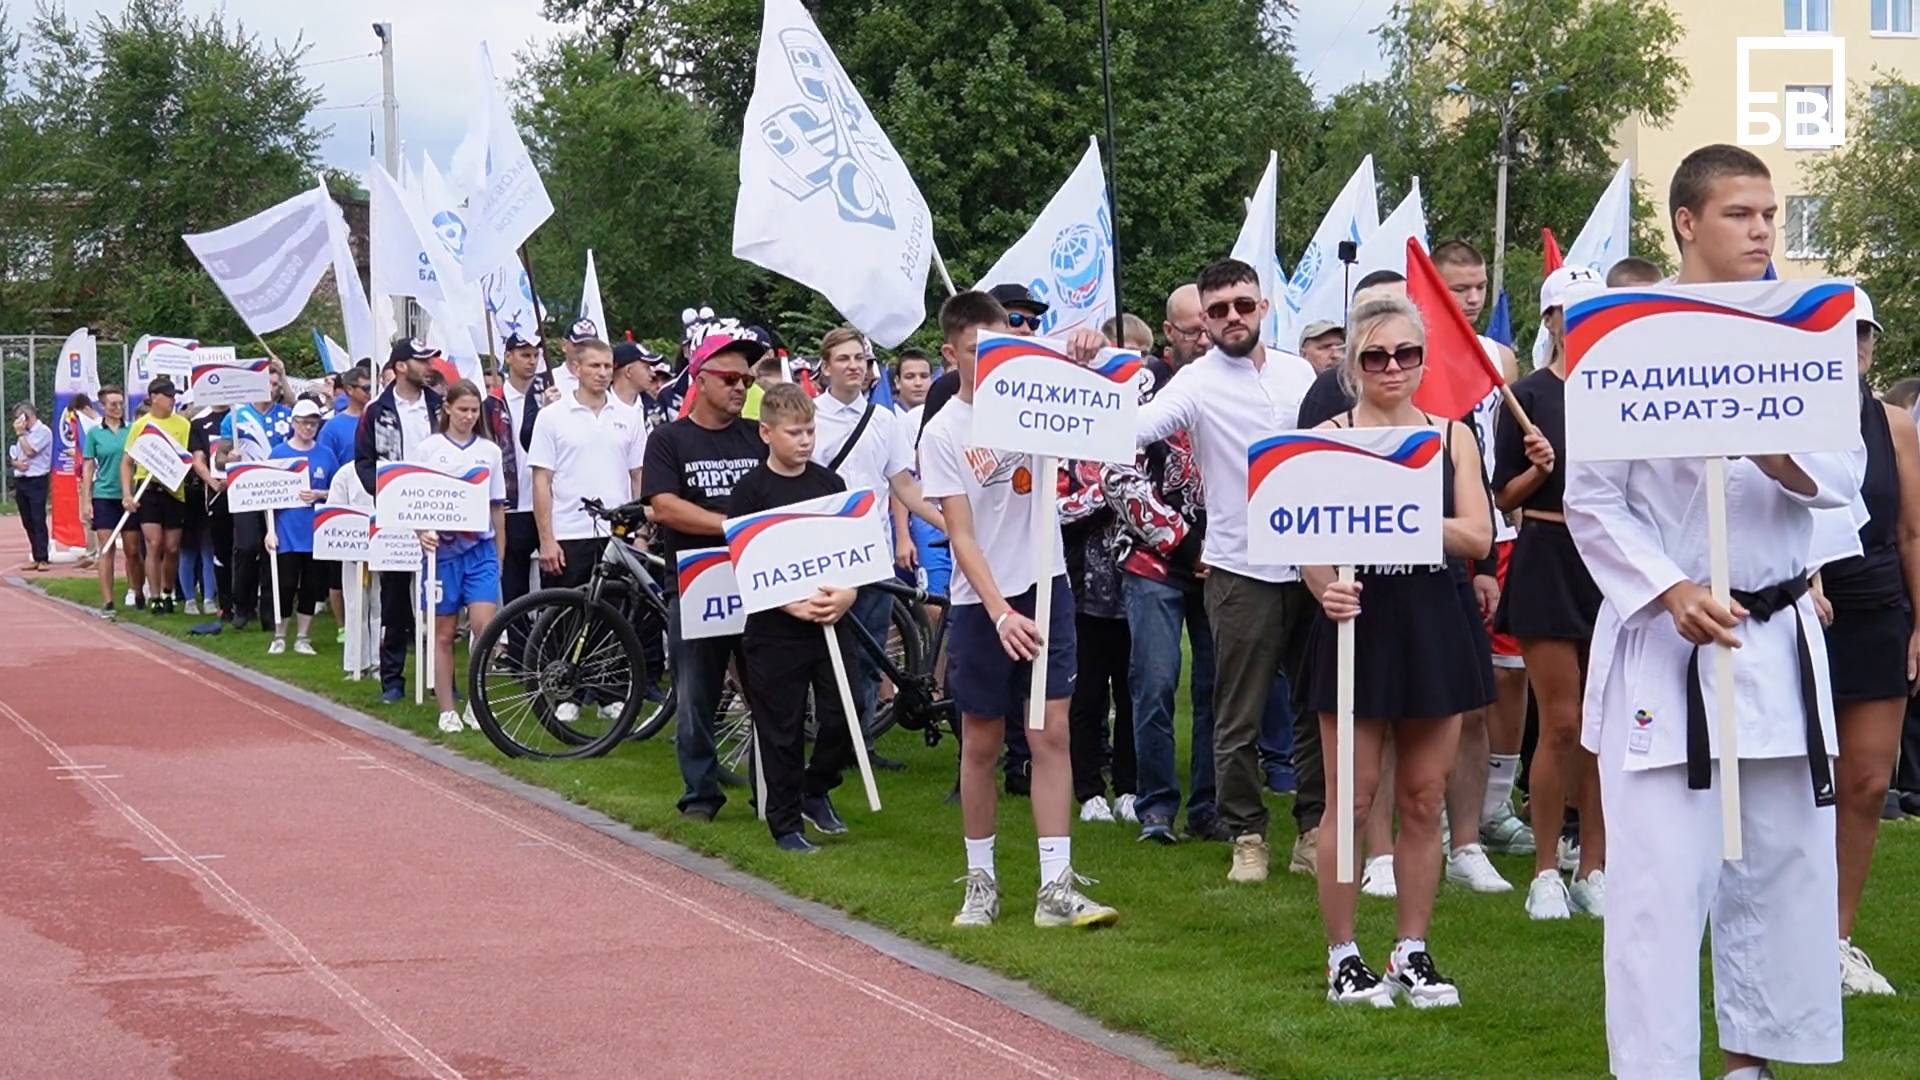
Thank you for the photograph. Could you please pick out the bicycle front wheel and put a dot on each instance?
(906, 649)
(557, 676)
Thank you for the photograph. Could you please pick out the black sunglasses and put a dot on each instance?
(731, 378)
(1243, 305)
(1374, 360)
(1018, 319)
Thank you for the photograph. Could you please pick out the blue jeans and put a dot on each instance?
(196, 569)
(1154, 614)
(699, 674)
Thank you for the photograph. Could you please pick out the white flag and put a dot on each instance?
(510, 201)
(1256, 246)
(1316, 290)
(590, 306)
(355, 313)
(268, 264)
(79, 368)
(1066, 257)
(408, 256)
(1603, 240)
(449, 333)
(1386, 249)
(510, 301)
(824, 197)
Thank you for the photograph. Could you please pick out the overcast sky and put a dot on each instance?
(435, 43)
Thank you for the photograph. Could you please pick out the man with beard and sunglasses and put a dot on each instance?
(1237, 392)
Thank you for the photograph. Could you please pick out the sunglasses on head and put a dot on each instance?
(1243, 305)
(1018, 319)
(731, 378)
(1374, 360)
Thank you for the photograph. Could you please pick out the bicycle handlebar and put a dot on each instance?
(910, 593)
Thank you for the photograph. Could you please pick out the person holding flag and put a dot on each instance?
(303, 582)
(467, 566)
(163, 511)
(396, 422)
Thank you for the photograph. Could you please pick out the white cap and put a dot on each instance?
(1863, 310)
(1564, 283)
(306, 407)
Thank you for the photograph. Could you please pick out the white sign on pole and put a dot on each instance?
(710, 604)
(1702, 371)
(341, 534)
(266, 485)
(231, 384)
(409, 496)
(177, 359)
(1346, 496)
(1029, 397)
(787, 554)
(392, 550)
(155, 451)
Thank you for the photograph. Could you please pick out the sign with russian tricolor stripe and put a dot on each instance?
(1030, 397)
(710, 604)
(177, 359)
(342, 534)
(1691, 371)
(266, 485)
(395, 550)
(1346, 496)
(154, 450)
(409, 496)
(240, 383)
(790, 552)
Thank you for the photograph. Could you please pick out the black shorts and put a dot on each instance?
(1867, 652)
(106, 514)
(159, 507)
(986, 681)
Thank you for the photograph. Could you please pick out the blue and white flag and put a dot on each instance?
(1256, 246)
(268, 264)
(1603, 241)
(356, 314)
(825, 199)
(332, 357)
(508, 295)
(250, 435)
(1065, 259)
(1316, 290)
(1386, 249)
(508, 202)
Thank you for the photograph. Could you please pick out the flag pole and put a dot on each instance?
(1113, 184)
(945, 278)
(539, 317)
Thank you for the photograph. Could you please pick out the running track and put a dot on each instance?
(201, 879)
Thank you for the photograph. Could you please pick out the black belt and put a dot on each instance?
(1762, 606)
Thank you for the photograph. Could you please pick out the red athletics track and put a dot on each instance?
(201, 879)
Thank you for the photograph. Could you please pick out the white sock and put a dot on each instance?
(1406, 946)
(980, 855)
(1336, 954)
(1501, 769)
(1056, 854)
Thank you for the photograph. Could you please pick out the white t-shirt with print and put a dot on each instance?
(998, 486)
(440, 453)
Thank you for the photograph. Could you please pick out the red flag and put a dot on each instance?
(1550, 249)
(1459, 373)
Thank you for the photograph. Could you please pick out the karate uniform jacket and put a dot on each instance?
(1641, 527)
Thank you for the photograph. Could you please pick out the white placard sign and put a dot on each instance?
(409, 496)
(1346, 496)
(710, 604)
(176, 359)
(788, 553)
(1689, 371)
(155, 451)
(266, 485)
(232, 384)
(341, 534)
(1029, 397)
(393, 549)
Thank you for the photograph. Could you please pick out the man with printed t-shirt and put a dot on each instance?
(692, 465)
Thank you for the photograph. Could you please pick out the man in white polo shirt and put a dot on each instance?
(585, 446)
(869, 447)
(1234, 394)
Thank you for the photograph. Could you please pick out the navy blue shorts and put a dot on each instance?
(106, 514)
(988, 683)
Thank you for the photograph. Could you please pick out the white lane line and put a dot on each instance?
(92, 776)
(176, 858)
(280, 935)
(962, 1032)
(55, 768)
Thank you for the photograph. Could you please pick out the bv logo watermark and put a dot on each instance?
(1812, 119)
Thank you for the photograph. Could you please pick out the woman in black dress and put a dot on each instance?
(1414, 672)
(1549, 604)
(1867, 601)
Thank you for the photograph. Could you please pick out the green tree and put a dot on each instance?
(1868, 224)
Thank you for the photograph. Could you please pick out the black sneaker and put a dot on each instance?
(106, 612)
(1354, 983)
(1207, 828)
(140, 602)
(1157, 828)
(796, 843)
(1421, 983)
(818, 811)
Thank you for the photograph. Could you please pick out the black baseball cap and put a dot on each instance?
(412, 349)
(518, 340)
(627, 352)
(1018, 298)
(583, 330)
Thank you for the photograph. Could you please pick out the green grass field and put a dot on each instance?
(1223, 975)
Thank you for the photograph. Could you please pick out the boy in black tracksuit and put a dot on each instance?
(785, 650)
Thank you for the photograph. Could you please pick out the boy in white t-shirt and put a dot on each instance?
(986, 497)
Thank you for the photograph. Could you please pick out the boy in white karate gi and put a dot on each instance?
(1642, 529)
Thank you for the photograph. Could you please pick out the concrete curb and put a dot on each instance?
(1017, 996)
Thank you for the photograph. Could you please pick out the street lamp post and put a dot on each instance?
(1517, 92)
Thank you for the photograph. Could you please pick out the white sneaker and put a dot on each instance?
(610, 713)
(129, 600)
(1249, 859)
(1469, 866)
(191, 607)
(276, 646)
(450, 722)
(1506, 834)
(1446, 831)
(304, 647)
(1354, 983)
(982, 904)
(1123, 810)
(1096, 809)
(566, 712)
(1421, 984)
(1569, 855)
(1547, 897)
(1857, 975)
(1062, 904)
(1590, 895)
(1377, 878)
(466, 717)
